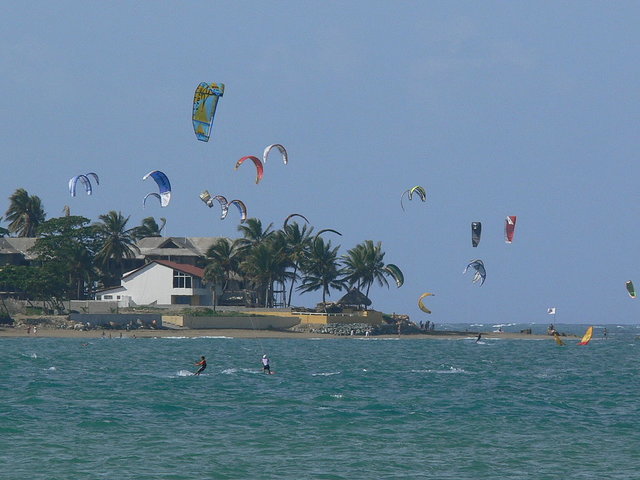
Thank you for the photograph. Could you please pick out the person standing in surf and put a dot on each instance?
(265, 364)
(203, 364)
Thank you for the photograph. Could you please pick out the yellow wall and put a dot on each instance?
(282, 319)
(261, 322)
(371, 317)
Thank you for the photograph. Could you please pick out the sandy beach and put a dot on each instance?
(44, 332)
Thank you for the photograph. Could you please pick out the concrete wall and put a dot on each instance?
(257, 323)
(120, 320)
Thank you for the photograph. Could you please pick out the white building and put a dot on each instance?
(161, 282)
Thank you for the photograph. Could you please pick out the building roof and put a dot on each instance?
(181, 267)
(175, 246)
(17, 245)
(354, 297)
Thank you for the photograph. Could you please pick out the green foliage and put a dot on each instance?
(66, 249)
(25, 213)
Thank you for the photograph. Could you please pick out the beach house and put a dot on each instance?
(161, 282)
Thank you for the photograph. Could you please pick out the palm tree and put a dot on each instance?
(321, 270)
(265, 264)
(117, 243)
(364, 265)
(252, 233)
(149, 228)
(3, 231)
(25, 213)
(223, 260)
(298, 242)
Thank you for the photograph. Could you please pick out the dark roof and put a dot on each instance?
(354, 297)
(181, 267)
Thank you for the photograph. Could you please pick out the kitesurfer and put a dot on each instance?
(203, 364)
(265, 364)
(479, 337)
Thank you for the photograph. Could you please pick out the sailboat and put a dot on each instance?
(587, 336)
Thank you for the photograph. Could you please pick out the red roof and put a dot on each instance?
(181, 267)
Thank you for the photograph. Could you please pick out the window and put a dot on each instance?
(181, 280)
(107, 297)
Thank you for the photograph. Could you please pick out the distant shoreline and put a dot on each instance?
(43, 332)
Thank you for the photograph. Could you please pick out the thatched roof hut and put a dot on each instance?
(354, 298)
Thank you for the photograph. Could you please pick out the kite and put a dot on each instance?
(395, 272)
(256, 161)
(631, 289)
(164, 186)
(417, 190)
(152, 194)
(587, 337)
(241, 208)
(205, 101)
(421, 304)
(94, 176)
(509, 228)
(85, 182)
(328, 230)
(286, 220)
(283, 151)
(208, 200)
(480, 274)
(476, 231)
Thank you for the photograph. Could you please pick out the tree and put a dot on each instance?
(117, 243)
(149, 228)
(3, 231)
(253, 233)
(33, 283)
(223, 260)
(364, 265)
(25, 213)
(298, 241)
(65, 249)
(321, 269)
(264, 264)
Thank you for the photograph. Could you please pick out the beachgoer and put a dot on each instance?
(203, 364)
(265, 364)
(604, 333)
(479, 337)
(35, 329)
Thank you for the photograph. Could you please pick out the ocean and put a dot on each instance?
(352, 408)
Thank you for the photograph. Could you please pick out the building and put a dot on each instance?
(187, 250)
(15, 250)
(161, 282)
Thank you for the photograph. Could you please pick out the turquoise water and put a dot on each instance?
(336, 409)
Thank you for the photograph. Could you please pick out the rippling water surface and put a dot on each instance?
(335, 409)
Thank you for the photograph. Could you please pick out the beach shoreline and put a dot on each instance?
(44, 332)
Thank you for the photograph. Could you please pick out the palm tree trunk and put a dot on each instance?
(293, 281)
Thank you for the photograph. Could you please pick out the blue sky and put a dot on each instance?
(497, 108)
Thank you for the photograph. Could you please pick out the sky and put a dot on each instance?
(496, 108)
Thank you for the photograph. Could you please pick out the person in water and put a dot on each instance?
(203, 364)
(265, 364)
(479, 337)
